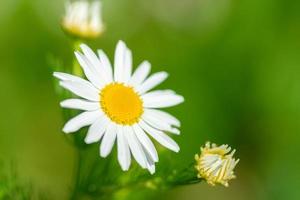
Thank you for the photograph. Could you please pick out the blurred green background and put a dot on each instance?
(237, 63)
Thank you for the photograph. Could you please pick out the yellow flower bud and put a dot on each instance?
(215, 164)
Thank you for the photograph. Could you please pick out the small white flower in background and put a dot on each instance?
(216, 164)
(83, 19)
(118, 105)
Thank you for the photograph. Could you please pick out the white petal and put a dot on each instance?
(151, 82)
(160, 137)
(119, 61)
(157, 93)
(151, 168)
(90, 55)
(79, 104)
(106, 65)
(96, 17)
(96, 64)
(64, 77)
(159, 124)
(150, 164)
(81, 120)
(135, 146)
(146, 142)
(162, 101)
(127, 66)
(80, 12)
(96, 130)
(68, 77)
(90, 71)
(124, 156)
(77, 85)
(163, 116)
(83, 89)
(108, 140)
(140, 74)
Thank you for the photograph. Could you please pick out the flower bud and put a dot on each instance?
(83, 19)
(215, 164)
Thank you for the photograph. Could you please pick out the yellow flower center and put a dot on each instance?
(121, 103)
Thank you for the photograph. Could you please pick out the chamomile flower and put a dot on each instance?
(118, 106)
(216, 164)
(83, 19)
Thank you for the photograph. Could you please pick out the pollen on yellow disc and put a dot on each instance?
(121, 103)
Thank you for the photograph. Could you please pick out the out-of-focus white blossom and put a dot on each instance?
(83, 19)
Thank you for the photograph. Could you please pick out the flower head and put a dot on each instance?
(118, 105)
(216, 164)
(83, 19)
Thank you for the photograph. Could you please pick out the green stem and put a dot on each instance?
(76, 70)
(185, 176)
(77, 169)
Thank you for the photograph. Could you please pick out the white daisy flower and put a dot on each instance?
(118, 105)
(83, 19)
